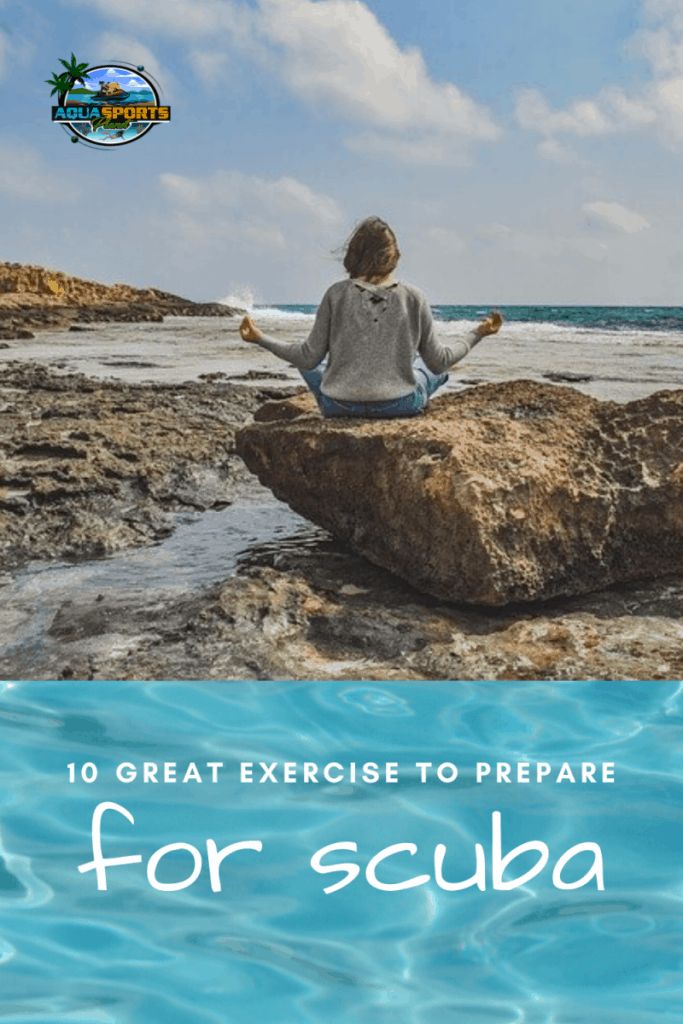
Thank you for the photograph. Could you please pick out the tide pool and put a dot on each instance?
(270, 946)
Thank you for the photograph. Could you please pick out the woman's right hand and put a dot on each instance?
(491, 325)
(249, 331)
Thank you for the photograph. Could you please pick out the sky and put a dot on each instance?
(524, 151)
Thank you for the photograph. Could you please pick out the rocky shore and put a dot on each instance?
(310, 609)
(92, 467)
(503, 495)
(34, 298)
(88, 467)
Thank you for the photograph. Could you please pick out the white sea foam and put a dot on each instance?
(546, 331)
(444, 327)
(273, 313)
(536, 328)
(242, 297)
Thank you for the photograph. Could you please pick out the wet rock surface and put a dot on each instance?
(501, 494)
(88, 467)
(308, 608)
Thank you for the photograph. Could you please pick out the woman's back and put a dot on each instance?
(373, 335)
(361, 355)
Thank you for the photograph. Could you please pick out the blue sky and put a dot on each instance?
(525, 151)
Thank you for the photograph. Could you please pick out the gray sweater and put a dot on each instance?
(371, 335)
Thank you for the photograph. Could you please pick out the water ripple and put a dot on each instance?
(272, 947)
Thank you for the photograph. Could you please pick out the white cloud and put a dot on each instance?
(338, 54)
(657, 103)
(411, 148)
(534, 240)
(277, 233)
(334, 55)
(25, 175)
(668, 100)
(233, 190)
(181, 18)
(611, 111)
(445, 239)
(208, 64)
(661, 45)
(557, 152)
(494, 232)
(615, 216)
(115, 46)
(263, 212)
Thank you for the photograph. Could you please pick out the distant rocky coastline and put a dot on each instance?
(35, 298)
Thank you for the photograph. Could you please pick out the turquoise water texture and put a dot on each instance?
(272, 947)
(608, 318)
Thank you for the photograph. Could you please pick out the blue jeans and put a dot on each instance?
(411, 404)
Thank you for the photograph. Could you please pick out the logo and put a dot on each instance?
(106, 104)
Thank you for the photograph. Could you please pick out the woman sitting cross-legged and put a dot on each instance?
(372, 350)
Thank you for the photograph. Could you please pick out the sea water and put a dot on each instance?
(581, 318)
(204, 548)
(271, 947)
(620, 353)
(617, 353)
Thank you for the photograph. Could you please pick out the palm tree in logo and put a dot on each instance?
(65, 80)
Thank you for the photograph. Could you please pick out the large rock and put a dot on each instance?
(503, 493)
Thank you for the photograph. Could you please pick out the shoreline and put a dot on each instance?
(290, 603)
(118, 465)
(303, 607)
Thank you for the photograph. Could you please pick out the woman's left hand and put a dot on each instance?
(249, 331)
(491, 325)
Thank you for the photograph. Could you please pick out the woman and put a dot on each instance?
(372, 351)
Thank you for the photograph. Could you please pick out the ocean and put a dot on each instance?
(580, 318)
(618, 353)
(271, 946)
